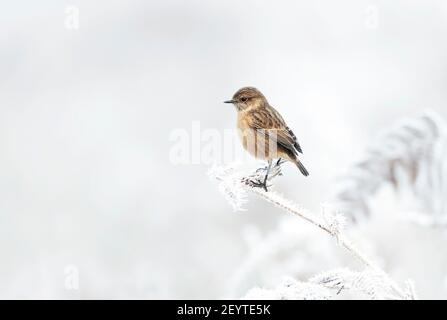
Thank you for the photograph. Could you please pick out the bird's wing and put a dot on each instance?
(290, 132)
(270, 120)
(295, 141)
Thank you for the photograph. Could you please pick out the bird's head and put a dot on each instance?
(247, 98)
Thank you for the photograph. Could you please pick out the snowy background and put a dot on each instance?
(87, 188)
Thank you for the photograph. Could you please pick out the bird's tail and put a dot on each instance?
(302, 168)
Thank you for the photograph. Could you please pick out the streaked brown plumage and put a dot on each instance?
(263, 131)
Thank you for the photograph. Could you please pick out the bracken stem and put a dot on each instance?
(305, 214)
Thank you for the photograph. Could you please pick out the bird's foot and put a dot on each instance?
(258, 184)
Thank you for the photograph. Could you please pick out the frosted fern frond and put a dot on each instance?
(290, 289)
(334, 219)
(374, 282)
(375, 285)
(410, 291)
(411, 155)
(230, 185)
(425, 220)
(234, 184)
(327, 285)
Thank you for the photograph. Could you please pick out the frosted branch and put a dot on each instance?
(236, 187)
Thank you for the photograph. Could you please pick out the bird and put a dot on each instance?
(263, 131)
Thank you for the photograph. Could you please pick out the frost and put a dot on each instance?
(410, 157)
(290, 289)
(230, 185)
(328, 285)
(333, 218)
(373, 281)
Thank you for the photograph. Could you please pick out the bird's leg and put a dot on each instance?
(278, 162)
(262, 184)
(257, 182)
(267, 175)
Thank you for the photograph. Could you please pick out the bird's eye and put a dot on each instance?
(243, 99)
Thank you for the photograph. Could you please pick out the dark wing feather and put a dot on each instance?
(292, 135)
(296, 144)
(270, 120)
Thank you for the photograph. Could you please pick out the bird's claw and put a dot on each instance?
(259, 184)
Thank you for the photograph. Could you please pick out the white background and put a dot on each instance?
(86, 116)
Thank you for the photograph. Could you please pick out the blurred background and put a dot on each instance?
(91, 205)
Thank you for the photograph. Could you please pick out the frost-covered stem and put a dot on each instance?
(282, 203)
(235, 186)
(343, 241)
(305, 214)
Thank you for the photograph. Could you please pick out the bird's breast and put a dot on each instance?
(243, 129)
(254, 141)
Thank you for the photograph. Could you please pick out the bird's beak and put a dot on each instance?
(229, 101)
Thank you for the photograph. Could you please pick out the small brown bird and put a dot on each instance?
(263, 131)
